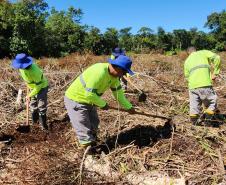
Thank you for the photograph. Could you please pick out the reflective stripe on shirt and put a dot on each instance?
(88, 89)
(198, 67)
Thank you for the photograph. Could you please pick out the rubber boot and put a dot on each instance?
(42, 121)
(219, 116)
(34, 117)
(195, 120)
(91, 145)
(210, 120)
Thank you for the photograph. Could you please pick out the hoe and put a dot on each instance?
(141, 95)
(25, 128)
(139, 111)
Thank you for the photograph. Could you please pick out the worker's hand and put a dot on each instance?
(106, 107)
(214, 77)
(132, 110)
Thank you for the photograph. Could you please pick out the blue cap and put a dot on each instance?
(22, 61)
(122, 62)
(118, 51)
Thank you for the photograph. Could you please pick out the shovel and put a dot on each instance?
(25, 128)
(141, 95)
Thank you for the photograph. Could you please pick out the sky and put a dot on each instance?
(169, 14)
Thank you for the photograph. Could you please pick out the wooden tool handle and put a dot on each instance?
(139, 111)
(27, 107)
(131, 83)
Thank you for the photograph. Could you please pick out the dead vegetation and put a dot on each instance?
(133, 144)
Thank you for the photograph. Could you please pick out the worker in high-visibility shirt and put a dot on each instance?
(37, 83)
(197, 70)
(115, 54)
(84, 95)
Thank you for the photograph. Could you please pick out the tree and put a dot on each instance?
(111, 40)
(181, 39)
(125, 38)
(144, 40)
(216, 22)
(75, 14)
(6, 27)
(94, 41)
(145, 32)
(28, 27)
(63, 32)
(202, 40)
(164, 40)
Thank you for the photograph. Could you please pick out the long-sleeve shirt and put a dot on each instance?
(197, 68)
(34, 78)
(92, 83)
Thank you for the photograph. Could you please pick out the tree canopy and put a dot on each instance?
(28, 26)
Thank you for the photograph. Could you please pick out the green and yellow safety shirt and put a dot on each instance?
(34, 78)
(197, 68)
(92, 83)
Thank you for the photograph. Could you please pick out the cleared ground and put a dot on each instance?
(134, 144)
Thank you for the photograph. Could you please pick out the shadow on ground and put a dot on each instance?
(5, 138)
(140, 135)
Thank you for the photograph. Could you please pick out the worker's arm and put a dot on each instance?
(33, 78)
(217, 64)
(214, 59)
(120, 96)
(35, 90)
(36, 84)
(95, 99)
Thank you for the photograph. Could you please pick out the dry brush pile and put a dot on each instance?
(134, 145)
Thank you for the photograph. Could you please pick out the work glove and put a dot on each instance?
(106, 107)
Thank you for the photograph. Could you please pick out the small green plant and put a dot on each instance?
(170, 53)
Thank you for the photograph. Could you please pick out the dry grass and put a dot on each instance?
(135, 143)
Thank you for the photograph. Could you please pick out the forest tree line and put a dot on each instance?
(32, 27)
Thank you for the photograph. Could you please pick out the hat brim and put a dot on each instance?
(18, 65)
(130, 72)
(113, 62)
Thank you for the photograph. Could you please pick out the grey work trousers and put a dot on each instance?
(202, 95)
(84, 119)
(38, 103)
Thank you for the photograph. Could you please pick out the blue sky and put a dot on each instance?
(169, 14)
